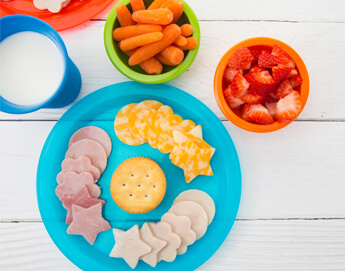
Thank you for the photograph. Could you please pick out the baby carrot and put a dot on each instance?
(156, 4)
(191, 44)
(173, 54)
(125, 32)
(161, 16)
(176, 7)
(181, 41)
(124, 16)
(170, 34)
(163, 60)
(141, 40)
(137, 5)
(150, 66)
(186, 30)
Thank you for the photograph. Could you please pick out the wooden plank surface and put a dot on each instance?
(297, 172)
(251, 245)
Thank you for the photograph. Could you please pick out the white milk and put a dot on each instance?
(31, 68)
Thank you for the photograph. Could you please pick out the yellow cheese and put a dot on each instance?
(194, 161)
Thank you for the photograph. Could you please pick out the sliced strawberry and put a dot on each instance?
(231, 100)
(282, 56)
(270, 98)
(244, 115)
(241, 59)
(280, 73)
(258, 113)
(284, 89)
(271, 107)
(255, 53)
(252, 98)
(293, 73)
(295, 80)
(256, 68)
(229, 75)
(239, 85)
(261, 83)
(266, 60)
(289, 107)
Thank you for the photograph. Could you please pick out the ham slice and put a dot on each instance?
(94, 133)
(73, 182)
(91, 149)
(79, 165)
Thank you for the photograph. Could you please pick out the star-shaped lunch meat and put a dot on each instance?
(194, 161)
(129, 246)
(82, 198)
(88, 222)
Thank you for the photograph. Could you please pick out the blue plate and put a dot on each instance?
(100, 109)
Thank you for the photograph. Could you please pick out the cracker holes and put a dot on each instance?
(139, 185)
(123, 184)
(130, 195)
(145, 196)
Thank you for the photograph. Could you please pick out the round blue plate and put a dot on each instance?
(100, 109)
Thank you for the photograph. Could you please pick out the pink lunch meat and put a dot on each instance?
(91, 149)
(79, 165)
(94, 133)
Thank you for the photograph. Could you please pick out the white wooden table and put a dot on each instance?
(292, 212)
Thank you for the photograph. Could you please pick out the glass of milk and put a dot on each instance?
(35, 69)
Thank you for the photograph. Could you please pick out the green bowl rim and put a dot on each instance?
(146, 78)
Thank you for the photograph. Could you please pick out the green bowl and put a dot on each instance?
(120, 60)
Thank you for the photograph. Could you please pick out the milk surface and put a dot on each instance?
(31, 68)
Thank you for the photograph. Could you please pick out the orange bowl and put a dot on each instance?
(219, 86)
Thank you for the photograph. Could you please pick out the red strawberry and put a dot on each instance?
(232, 102)
(239, 85)
(270, 98)
(256, 68)
(229, 75)
(280, 73)
(261, 83)
(282, 55)
(241, 59)
(255, 53)
(271, 107)
(293, 73)
(258, 113)
(266, 60)
(295, 80)
(284, 89)
(252, 98)
(289, 107)
(244, 115)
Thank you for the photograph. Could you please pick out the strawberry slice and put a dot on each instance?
(289, 107)
(239, 85)
(270, 98)
(256, 68)
(261, 83)
(258, 113)
(230, 99)
(255, 53)
(293, 73)
(284, 89)
(283, 57)
(295, 80)
(252, 98)
(244, 115)
(266, 60)
(271, 107)
(229, 75)
(280, 73)
(241, 59)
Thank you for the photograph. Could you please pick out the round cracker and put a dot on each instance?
(138, 185)
(200, 197)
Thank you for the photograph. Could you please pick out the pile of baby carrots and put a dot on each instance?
(150, 37)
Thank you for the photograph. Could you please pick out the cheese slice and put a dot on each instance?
(122, 129)
(164, 132)
(181, 139)
(136, 116)
(194, 161)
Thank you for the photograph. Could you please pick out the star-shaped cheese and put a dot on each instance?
(156, 243)
(194, 161)
(129, 246)
(88, 222)
(181, 139)
(165, 132)
(82, 198)
(153, 118)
